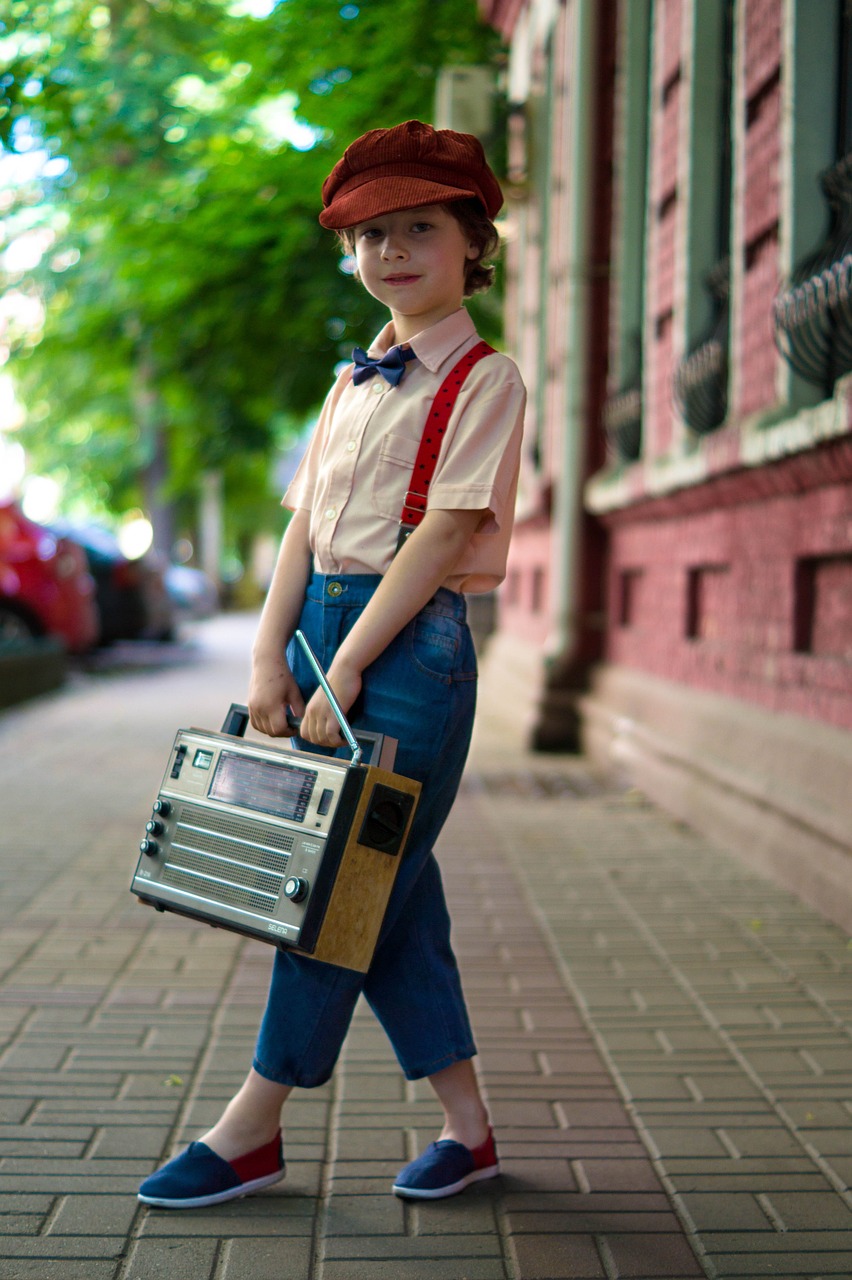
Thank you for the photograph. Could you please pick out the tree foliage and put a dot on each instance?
(194, 307)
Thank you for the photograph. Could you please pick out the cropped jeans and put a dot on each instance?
(422, 691)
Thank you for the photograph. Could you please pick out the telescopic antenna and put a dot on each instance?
(351, 740)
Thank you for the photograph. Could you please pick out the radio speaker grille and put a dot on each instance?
(245, 842)
(203, 887)
(210, 843)
(227, 859)
(244, 877)
(240, 828)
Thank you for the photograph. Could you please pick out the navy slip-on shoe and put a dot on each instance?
(198, 1177)
(445, 1168)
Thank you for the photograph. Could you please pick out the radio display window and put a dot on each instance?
(279, 789)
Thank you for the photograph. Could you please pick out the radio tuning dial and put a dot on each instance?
(154, 827)
(162, 807)
(150, 847)
(296, 888)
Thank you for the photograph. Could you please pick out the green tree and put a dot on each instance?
(195, 309)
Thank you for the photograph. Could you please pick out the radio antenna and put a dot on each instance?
(351, 740)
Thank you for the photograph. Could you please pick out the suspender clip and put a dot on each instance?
(405, 532)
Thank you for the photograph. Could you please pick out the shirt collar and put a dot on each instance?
(434, 345)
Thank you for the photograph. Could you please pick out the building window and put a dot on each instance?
(813, 313)
(541, 116)
(627, 604)
(823, 606)
(538, 589)
(623, 411)
(706, 601)
(701, 378)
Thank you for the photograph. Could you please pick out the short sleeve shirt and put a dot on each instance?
(357, 468)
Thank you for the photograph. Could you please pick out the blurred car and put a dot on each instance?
(131, 594)
(45, 584)
(193, 593)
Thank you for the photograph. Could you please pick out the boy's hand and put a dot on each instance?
(319, 723)
(271, 691)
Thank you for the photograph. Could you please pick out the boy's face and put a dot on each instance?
(414, 262)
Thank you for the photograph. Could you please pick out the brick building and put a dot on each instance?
(679, 275)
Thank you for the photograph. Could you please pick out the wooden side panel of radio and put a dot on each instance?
(367, 870)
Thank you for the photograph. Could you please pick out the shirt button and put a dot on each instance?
(378, 387)
(331, 512)
(350, 448)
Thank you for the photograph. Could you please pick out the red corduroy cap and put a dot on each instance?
(387, 170)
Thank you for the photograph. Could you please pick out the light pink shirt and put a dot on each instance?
(358, 465)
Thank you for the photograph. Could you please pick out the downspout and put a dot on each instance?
(564, 640)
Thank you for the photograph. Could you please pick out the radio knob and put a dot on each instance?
(296, 888)
(162, 807)
(154, 827)
(150, 847)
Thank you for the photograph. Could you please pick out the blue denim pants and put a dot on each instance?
(421, 690)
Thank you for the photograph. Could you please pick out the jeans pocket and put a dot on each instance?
(440, 647)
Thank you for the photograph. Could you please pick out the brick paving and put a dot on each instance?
(664, 1038)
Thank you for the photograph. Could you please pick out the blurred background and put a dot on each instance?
(171, 313)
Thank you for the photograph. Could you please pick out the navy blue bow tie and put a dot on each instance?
(390, 366)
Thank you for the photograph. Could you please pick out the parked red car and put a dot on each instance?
(45, 585)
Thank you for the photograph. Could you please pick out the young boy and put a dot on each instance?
(386, 617)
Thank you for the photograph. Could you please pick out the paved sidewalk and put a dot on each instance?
(664, 1038)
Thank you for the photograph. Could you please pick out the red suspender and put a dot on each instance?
(414, 506)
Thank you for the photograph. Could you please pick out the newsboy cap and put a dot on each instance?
(412, 164)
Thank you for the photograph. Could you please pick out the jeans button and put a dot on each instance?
(335, 589)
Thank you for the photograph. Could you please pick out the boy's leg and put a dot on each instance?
(251, 1119)
(465, 1113)
(307, 1015)
(414, 988)
(243, 1150)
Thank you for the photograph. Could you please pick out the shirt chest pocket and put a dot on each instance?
(392, 477)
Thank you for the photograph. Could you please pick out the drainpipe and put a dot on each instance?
(559, 726)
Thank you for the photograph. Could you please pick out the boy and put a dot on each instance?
(386, 616)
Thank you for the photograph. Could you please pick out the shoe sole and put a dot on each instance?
(452, 1189)
(218, 1197)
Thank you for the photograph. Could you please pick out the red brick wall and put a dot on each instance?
(740, 581)
(670, 31)
(762, 24)
(658, 424)
(525, 600)
(741, 584)
(757, 354)
(663, 265)
(760, 194)
(752, 599)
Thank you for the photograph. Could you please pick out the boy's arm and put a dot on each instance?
(424, 561)
(272, 688)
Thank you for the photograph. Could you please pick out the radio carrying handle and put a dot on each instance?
(236, 721)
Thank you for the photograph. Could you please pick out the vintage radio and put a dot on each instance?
(293, 848)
